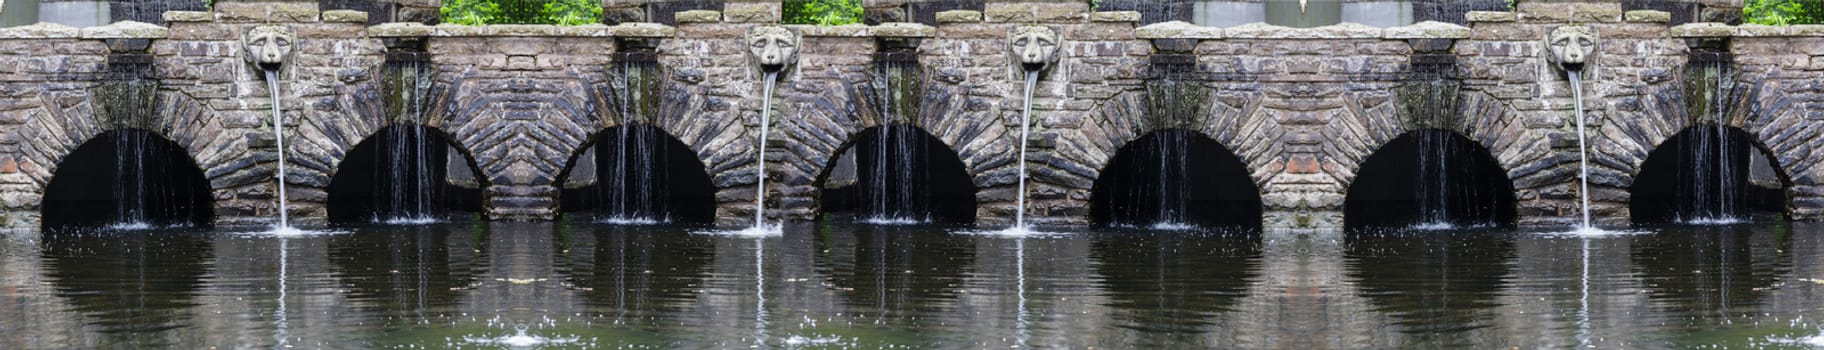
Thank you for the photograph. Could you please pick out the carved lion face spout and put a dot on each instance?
(773, 48)
(1036, 47)
(1571, 46)
(267, 46)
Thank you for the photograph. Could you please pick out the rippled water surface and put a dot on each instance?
(834, 285)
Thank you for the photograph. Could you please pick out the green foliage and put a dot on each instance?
(209, 4)
(1783, 12)
(822, 12)
(559, 12)
(469, 12)
(574, 12)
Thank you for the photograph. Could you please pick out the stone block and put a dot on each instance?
(959, 16)
(265, 12)
(1703, 30)
(1647, 16)
(348, 16)
(1488, 16)
(399, 30)
(642, 30)
(698, 16)
(188, 16)
(751, 12)
(1036, 12)
(126, 30)
(1115, 16)
(42, 30)
(1427, 30)
(903, 30)
(1177, 30)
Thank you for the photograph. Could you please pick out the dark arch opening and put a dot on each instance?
(1172, 178)
(899, 174)
(1430, 178)
(401, 174)
(128, 179)
(638, 174)
(1707, 174)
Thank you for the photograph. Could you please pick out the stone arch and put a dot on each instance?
(519, 132)
(822, 125)
(1522, 151)
(687, 213)
(1466, 188)
(1777, 121)
(65, 119)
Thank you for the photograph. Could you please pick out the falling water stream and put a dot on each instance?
(130, 174)
(1583, 152)
(766, 109)
(278, 131)
(1019, 211)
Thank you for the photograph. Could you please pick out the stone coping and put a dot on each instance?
(623, 30)
(188, 16)
(959, 16)
(116, 30)
(884, 30)
(1257, 30)
(1489, 16)
(1717, 30)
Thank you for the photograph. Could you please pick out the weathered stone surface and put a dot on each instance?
(751, 12)
(1703, 30)
(959, 16)
(1339, 31)
(1302, 108)
(1115, 16)
(641, 30)
(1177, 30)
(188, 16)
(399, 30)
(1489, 16)
(126, 30)
(348, 16)
(1427, 30)
(41, 30)
(698, 16)
(903, 30)
(1647, 16)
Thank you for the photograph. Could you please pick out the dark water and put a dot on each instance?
(829, 285)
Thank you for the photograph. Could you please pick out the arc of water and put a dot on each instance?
(1019, 217)
(766, 108)
(1583, 156)
(278, 130)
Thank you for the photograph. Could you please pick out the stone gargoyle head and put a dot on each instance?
(772, 48)
(1569, 47)
(1035, 47)
(267, 46)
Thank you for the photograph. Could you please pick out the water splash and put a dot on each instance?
(410, 187)
(278, 131)
(1019, 211)
(893, 221)
(522, 338)
(752, 232)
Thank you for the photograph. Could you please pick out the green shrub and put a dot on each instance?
(1783, 12)
(559, 12)
(822, 12)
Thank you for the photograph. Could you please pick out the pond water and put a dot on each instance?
(835, 285)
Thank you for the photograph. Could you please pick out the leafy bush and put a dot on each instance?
(822, 12)
(1783, 12)
(559, 12)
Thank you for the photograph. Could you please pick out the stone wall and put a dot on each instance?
(1303, 108)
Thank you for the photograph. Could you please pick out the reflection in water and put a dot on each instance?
(131, 286)
(408, 272)
(1173, 286)
(833, 285)
(1723, 270)
(1437, 287)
